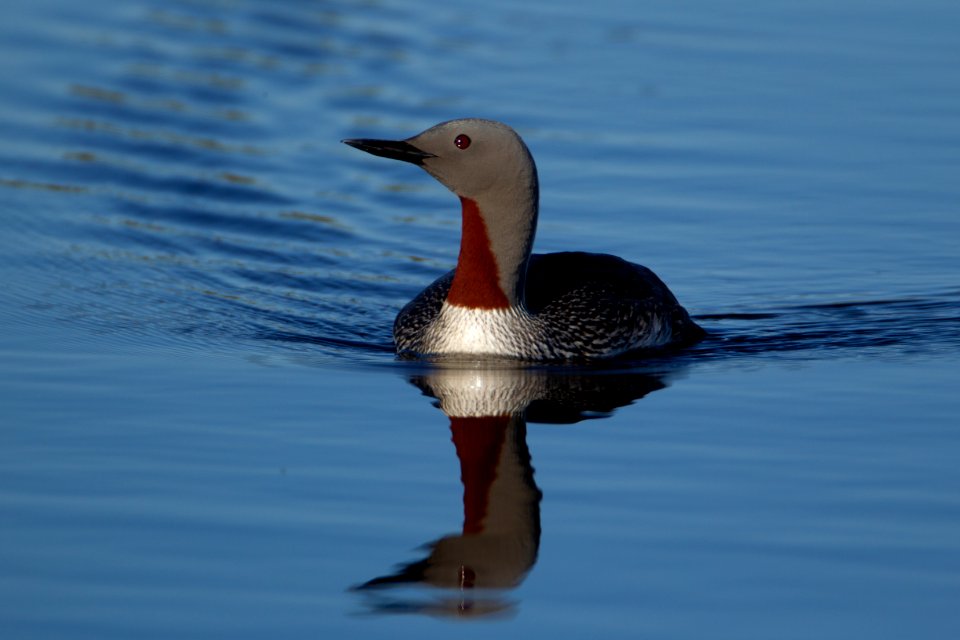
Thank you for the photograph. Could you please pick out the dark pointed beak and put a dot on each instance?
(393, 149)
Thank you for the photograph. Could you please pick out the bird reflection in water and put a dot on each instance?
(489, 409)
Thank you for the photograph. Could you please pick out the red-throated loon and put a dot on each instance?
(500, 300)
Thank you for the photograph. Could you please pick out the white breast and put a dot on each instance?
(478, 331)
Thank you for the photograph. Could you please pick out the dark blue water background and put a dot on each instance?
(203, 429)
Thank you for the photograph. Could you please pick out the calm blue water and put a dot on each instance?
(203, 430)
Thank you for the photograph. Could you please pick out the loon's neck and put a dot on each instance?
(495, 245)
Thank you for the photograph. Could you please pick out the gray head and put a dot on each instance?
(474, 158)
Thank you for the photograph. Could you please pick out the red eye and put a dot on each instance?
(462, 141)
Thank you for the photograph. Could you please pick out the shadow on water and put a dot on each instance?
(489, 409)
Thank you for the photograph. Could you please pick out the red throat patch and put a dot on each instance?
(477, 281)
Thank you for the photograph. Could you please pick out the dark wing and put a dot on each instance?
(614, 292)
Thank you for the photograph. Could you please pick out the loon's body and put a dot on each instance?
(502, 301)
(578, 305)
